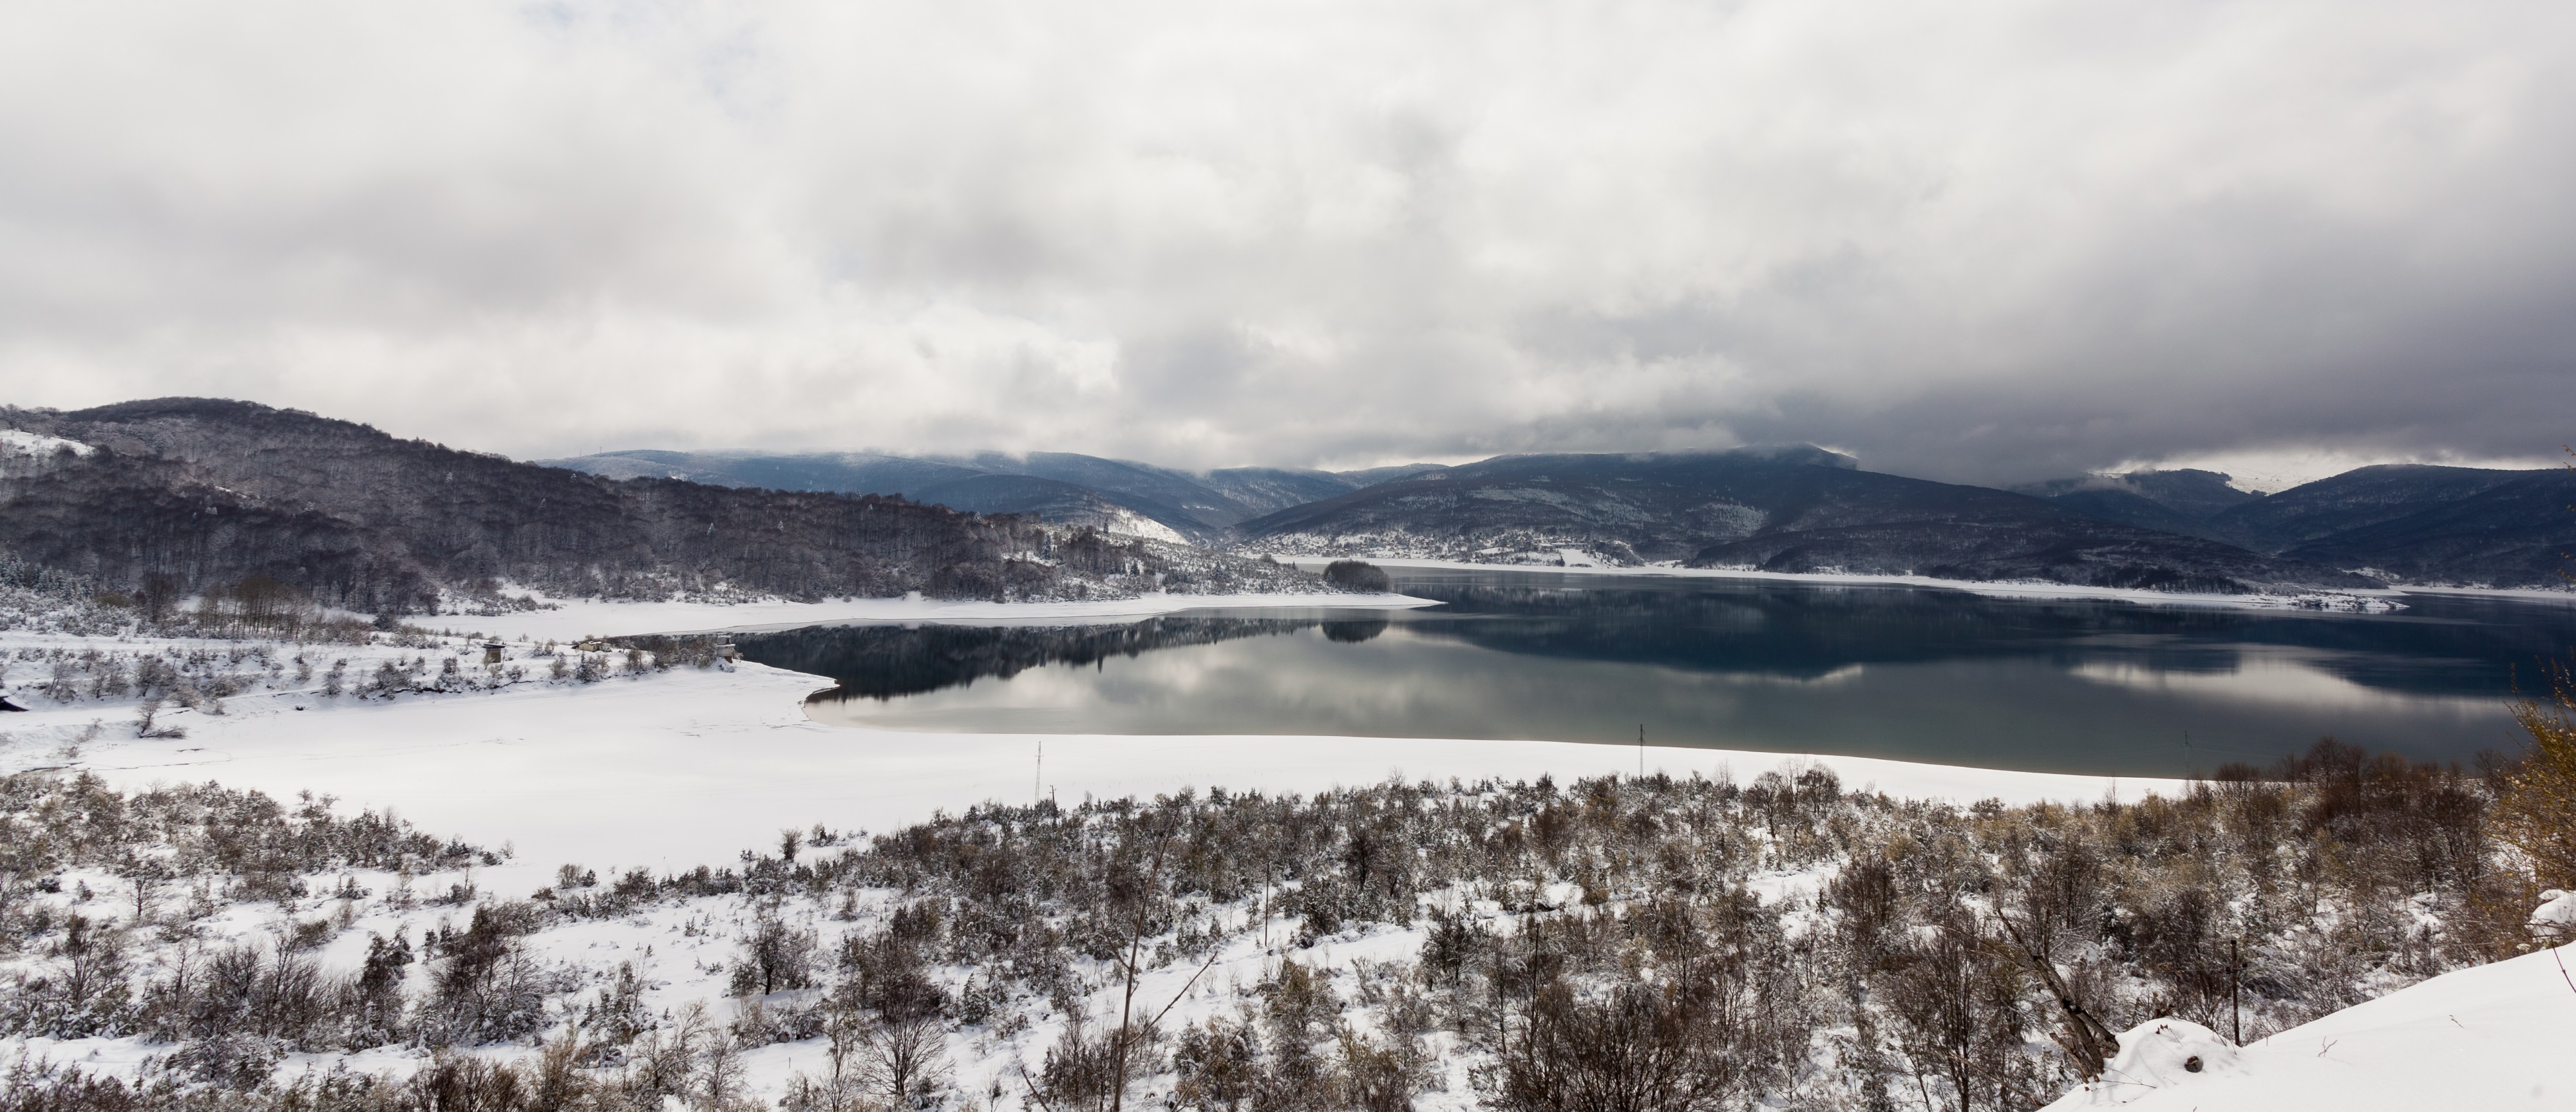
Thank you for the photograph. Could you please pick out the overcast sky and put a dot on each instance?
(1976, 240)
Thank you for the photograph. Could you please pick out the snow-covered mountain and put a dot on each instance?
(1792, 509)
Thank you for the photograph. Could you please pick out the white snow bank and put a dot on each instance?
(2367, 602)
(2490, 1038)
(585, 617)
(688, 767)
(2556, 915)
(20, 442)
(2158, 1055)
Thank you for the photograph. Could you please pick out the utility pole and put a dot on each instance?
(1036, 791)
(1641, 750)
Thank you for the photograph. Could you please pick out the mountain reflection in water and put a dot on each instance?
(1922, 674)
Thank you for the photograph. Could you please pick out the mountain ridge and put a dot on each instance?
(1799, 509)
(2406, 523)
(197, 493)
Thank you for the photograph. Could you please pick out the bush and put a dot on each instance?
(2537, 811)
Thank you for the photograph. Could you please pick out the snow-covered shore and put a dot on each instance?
(2379, 601)
(572, 618)
(686, 767)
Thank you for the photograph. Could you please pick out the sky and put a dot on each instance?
(1981, 241)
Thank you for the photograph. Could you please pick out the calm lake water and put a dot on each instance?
(1902, 672)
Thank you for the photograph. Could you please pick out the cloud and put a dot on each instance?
(1986, 241)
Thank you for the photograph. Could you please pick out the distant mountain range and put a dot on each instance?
(2405, 523)
(1794, 508)
(193, 493)
(1136, 498)
(200, 492)
(1797, 509)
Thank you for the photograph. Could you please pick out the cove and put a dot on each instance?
(1905, 672)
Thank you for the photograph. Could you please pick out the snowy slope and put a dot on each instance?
(2493, 1038)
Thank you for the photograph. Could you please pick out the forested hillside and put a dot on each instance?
(177, 495)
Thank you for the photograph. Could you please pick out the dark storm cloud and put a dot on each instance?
(1986, 241)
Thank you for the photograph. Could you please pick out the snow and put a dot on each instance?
(2369, 602)
(2556, 915)
(1124, 520)
(2493, 1037)
(2163, 1053)
(2523, 594)
(575, 618)
(19, 442)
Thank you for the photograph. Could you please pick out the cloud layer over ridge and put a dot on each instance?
(1983, 241)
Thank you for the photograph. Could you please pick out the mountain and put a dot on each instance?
(1116, 495)
(2169, 501)
(193, 493)
(2486, 527)
(1792, 509)
(2359, 498)
(2409, 523)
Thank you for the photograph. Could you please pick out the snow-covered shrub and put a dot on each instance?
(1530, 945)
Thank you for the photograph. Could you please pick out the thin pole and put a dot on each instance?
(1641, 750)
(1037, 792)
(2235, 1010)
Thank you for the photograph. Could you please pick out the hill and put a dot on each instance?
(187, 493)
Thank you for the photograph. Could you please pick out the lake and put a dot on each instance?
(1912, 673)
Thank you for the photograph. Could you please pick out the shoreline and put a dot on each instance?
(1994, 588)
(577, 618)
(686, 767)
